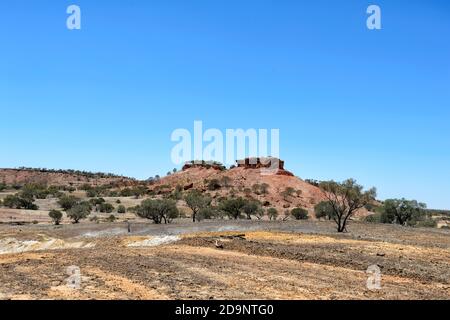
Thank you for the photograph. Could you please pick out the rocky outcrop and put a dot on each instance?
(269, 163)
(204, 164)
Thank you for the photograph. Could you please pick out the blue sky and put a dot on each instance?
(349, 102)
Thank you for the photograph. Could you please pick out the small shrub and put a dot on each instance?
(94, 219)
(121, 209)
(56, 216)
(18, 202)
(299, 214)
(373, 218)
(428, 223)
(67, 202)
(272, 213)
(324, 210)
(214, 185)
(106, 207)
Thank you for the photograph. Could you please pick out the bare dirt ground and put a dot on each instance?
(274, 260)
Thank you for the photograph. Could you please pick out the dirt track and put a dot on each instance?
(291, 260)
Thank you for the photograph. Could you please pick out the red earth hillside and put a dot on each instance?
(241, 181)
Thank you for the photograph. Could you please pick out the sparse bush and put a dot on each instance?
(226, 181)
(56, 216)
(94, 219)
(299, 214)
(111, 218)
(67, 202)
(259, 214)
(91, 193)
(34, 191)
(206, 213)
(106, 208)
(256, 188)
(427, 223)
(272, 213)
(18, 202)
(264, 188)
(324, 210)
(127, 192)
(177, 194)
(96, 201)
(214, 185)
(373, 218)
(251, 208)
(288, 192)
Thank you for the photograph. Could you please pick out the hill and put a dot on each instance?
(74, 178)
(282, 190)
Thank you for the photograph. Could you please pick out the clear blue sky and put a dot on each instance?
(349, 102)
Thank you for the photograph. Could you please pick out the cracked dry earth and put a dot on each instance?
(266, 264)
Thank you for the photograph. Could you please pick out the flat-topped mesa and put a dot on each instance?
(203, 164)
(269, 163)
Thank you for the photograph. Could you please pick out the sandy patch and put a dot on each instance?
(12, 245)
(154, 241)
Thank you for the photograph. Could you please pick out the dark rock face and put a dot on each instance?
(204, 164)
(188, 187)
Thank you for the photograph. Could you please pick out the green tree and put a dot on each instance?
(56, 216)
(346, 198)
(299, 214)
(232, 207)
(196, 201)
(251, 208)
(402, 211)
(78, 212)
(121, 209)
(324, 210)
(158, 210)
